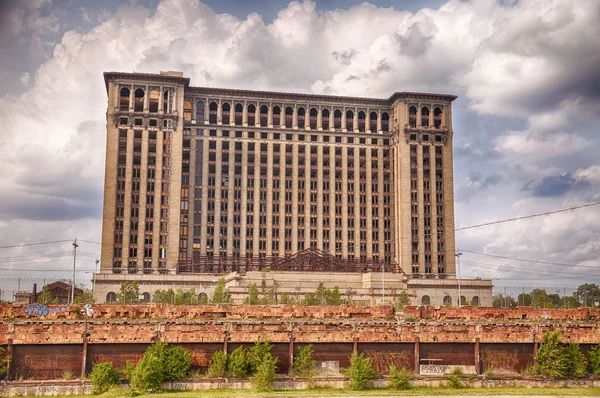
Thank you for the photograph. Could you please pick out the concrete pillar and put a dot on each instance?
(245, 114)
(84, 357)
(331, 119)
(344, 119)
(225, 341)
(355, 345)
(295, 117)
(291, 354)
(368, 121)
(319, 118)
(477, 362)
(355, 121)
(417, 357)
(9, 356)
(257, 115)
(131, 97)
(379, 129)
(270, 116)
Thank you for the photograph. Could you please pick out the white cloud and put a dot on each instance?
(25, 79)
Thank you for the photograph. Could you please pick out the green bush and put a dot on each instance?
(454, 378)
(259, 352)
(556, 359)
(400, 379)
(237, 363)
(127, 371)
(594, 365)
(3, 361)
(265, 372)
(218, 365)
(360, 371)
(161, 362)
(103, 377)
(304, 363)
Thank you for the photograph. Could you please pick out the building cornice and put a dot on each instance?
(145, 77)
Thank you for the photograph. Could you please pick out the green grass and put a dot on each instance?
(326, 392)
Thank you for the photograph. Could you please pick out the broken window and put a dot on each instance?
(251, 115)
(301, 118)
(437, 118)
(337, 119)
(200, 112)
(361, 121)
(124, 99)
(168, 102)
(239, 110)
(139, 100)
(373, 121)
(325, 119)
(226, 109)
(187, 110)
(154, 97)
(289, 114)
(412, 116)
(424, 116)
(385, 121)
(349, 121)
(264, 115)
(276, 116)
(313, 118)
(212, 113)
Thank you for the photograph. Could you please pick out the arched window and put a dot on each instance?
(475, 301)
(202, 298)
(139, 100)
(111, 297)
(313, 118)
(251, 115)
(212, 112)
(337, 119)
(168, 102)
(264, 115)
(145, 297)
(154, 98)
(124, 99)
(385, 121)
(425, 300)
(187, 110)
(301, 118)
(437, 118)
(373, 122)
(276, 116)
(239, 110)
(425, 116)
(412, 117)
(225, 113)
(361, 121)
(325, 119)
(200, 112)
(447, 300)
(463, 300)
(289, 115)
(349, 121)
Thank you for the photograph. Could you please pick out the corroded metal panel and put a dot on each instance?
(118, 354)
(383, 355)
(45, 361)
(448, 353)
(505, 357)
(330, 352)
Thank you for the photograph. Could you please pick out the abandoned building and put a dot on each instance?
(280, 189)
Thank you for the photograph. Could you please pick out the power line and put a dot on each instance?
(34, 244)
(512, 269)
(89, 241)
(531, 261)
(529, 216)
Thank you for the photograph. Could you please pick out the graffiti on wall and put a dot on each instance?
(433, 369)
(44, 366)
(199, 358)
(382, 360)
(44, 310)
(500, 360)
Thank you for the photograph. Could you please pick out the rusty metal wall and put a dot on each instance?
(118, 354)
(401, 355)
(505, 357)
(46, 361)
(201, 353)
(280, 350)
(449, 353)
(338, 352)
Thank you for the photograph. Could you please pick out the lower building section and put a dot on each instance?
(368, 288)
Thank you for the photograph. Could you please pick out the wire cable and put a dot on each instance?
(531, 261)
(34, 244)
(529, 216)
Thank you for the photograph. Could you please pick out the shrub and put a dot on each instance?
(237, 363)
(148, 374)
(218, 365)
(594, 365)
(360, 371)
(103, 377)
(400, 379)
(264, 376)
(177, 362)
(454, 378)
(259, 352)
(556, 359)
(127, 371)
(304, 363)
(161, 362)
(67, 374)
(3, 361)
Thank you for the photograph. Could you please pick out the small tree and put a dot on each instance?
(164, 296)
(400, 379)
(129, 293)
(85, 297)
(237, 363)
(260, 351)
(333, 297)
(103, 377)
(594, 365)
(265, 372)
(252, 298)
(221, 295)
(269, 297)
(46, 296)
(304, 363)
(403, 300)
(161, 362)
(218, 365)
(286, 299)
(3, 361)
(556, 359)
(360, 371)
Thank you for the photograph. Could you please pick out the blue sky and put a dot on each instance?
(526, 138)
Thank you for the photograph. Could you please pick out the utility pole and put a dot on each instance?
(458, 254)
(74, 263)
(382, 284)
(94, 278)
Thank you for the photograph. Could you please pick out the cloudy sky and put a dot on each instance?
(527, 74)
